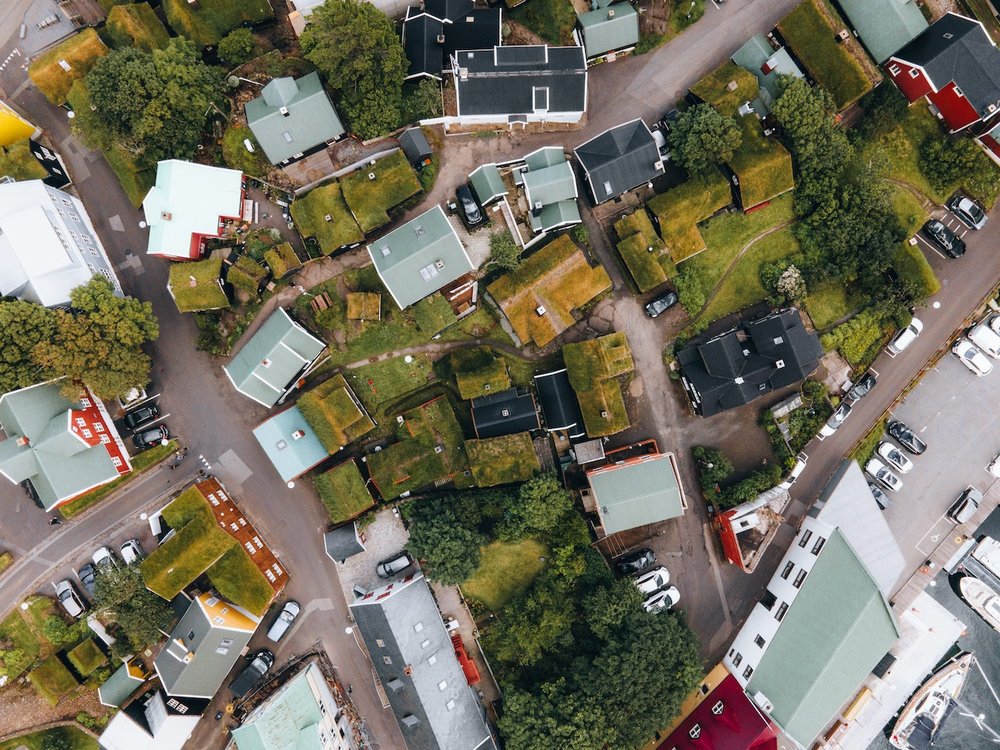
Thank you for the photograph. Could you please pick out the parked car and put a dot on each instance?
(905, 337)
(662, 600)
(69, 600)
(285, 619)
(653, 580)
(860, 389)
(966, 505)
(104, 558)
(131, 551)
(800, 466)
(148, 438)
(471, 214)
(840, 414)
(250, 676)
(635, 561)
(970, 356)
(86, 574)
(667, 121)
(995, 324)
(661, 143)
(131, 397)
(968, 211)
(994, 467)
(986, 339)
(140, 416)
(883, 500)
(894, 456)
(950, 243)
(883, 474)
(661, 304)
(906, 437)
(392, 566)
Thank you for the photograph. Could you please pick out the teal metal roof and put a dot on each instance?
(635, 494)
(884, 25)
(610, 28)
(273, 358)
(550, 184)
(547, 156)
(288, 720)
(420, 257)
(290, 456)
(487, 183)
(292, 116)
(755, 54)
(836, 630)
(119, 687)
(556, 215)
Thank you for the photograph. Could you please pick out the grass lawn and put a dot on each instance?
(715, 88)
(81, 52)
(364, 306)
(813, 39)
(594, 368)
(432, 314)
(762, 164)
(246, 274)
(196, 286)
(235, 153)
(135, 26)
(208, 21)
(908, 209)
(911, 265)
(282, 260)
(380, 384)
(344, 493)
(370, 200)
(829, 302)
(24, 630)
(86, 657)
(478, 372)
(643, 251)
(333, 413)
(310, 212)
(17, 161)
(135, 180)
(679, 210)
(52, 680)
(76, 739)
(236, 577)
(141, 463)
(552, 20)
(505, 570)
(502, 460)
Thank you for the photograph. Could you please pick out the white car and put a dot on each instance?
(652, 581)
(131, 551)
(895, 457)
(284, 621)
(104, 558)
(906, 337)
(836, 419)
(68, 598)
(662, 600)
(879, 471)
(994, 467)
(971, 357)
(986, 339)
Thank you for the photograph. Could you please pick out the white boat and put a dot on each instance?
(987, 552)
(981, 598)
(922, 718)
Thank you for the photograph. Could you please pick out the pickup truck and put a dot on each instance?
(249, 677)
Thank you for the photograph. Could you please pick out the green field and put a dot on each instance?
(74, 739)
(505, 570)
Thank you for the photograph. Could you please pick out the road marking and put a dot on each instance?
(932, 538)
(931, 246)
(205, 462)
(14, 53)
(116, 223)
(232, 463)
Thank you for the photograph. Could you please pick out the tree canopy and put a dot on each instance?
(701, 138)
(121, 594)
(541, 503)
(238, 46)
(449, 549)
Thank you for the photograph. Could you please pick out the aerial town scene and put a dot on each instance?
(499, 375)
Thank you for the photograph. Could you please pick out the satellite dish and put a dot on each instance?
(233, 82)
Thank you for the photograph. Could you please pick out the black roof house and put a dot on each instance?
(755, 358)
(619, 160)
(432, 35)
(559, 403)
(415, 146)
(344, 541)
(504, 413)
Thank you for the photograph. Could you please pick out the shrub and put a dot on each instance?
(859, 339)
(690, 291)
(884, 108)
(238, 46)
(759, 481)
(713, 467)
(945, 161)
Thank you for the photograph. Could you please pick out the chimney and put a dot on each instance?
(298, 435)
(611, 13)
(440, 39)
(284, 111)
(22, 442)
(166, 215)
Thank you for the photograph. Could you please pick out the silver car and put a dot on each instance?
(69, 600)
(284, 621)
(883, 474)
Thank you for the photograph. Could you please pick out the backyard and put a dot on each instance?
(23, 629)
(502, 460)
(505, 570)
(207, 21)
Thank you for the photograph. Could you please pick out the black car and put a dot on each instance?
(471, 215)
(949, 242)
(148, 438)
(661, 304)
(140, 416)
(249, 677)
(86, 576)
(906, 437)
(633, 562)
(883, 500)
(860, 389)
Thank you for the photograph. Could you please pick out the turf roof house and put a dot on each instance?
(824, 622)
(767, 63)
(415, 660)
(433, 33)
(48, 245)
(189, 203)
(58, 449)
(619, 159)
(607, 30)
(749, 361)
(275, 359)
(420, 257)
(293, 118)
(884, 25)
(519, 85)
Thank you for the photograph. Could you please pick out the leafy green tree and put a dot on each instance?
(121, 594)
(238, 46)
(12, 660)
(536, 621)
(884, 107)
(422, 101)
(59, 632)
(554, 716)
(504, 252)
(357, 50)
(945, 161)
(23, 326)
(701, 138)
(154, 103)
(713, 466)
(449, 549)
(542, 502)
(609, 606)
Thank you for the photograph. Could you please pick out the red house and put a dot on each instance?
(956, 65)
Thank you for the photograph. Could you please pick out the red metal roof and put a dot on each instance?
(725, 720)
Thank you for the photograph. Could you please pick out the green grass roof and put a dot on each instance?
(240, 581)
(310, 212)
(649, 268)
(86, 657)
(502, 460)
(81, 52)
(477, 368)
(17, 161)
(593, 368)
(344, 492)
(334, 414)
(52, 680)
(281, 259)
(726, 88)
(135, 25)
(196, 285)
(679, 210)
(762, 164)
(432, 314)
(246, 274)
(370, 200)
(207, 21)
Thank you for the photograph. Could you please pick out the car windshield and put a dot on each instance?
(972, 209)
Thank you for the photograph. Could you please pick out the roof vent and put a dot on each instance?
(371, 175)
(761, 700)
(410, 721)
(649, 249)
(778, 341)
(439, 448)
(732, 86)
(328, 217)
(843, 35)
(408, 670)
(538, 205)
(298, 434)
(281, 445)
(395, 685)
(166, 215)
(746, 352)
(284, 111)
(440, 39)
(779, 364)
(463, 74)
(439, 264)
(265, 363)
(505, 412)
(738, 380)
(386, 251)
(541, 310)
(991, 107)
(611, 13)
(604, 414)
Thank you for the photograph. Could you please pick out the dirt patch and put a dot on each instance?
(22, 709)
(521, 34)
(939, 7)
(654, 17)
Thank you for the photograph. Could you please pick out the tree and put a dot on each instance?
(421, 102)
(536, 621)
(449, 549)
(238, 46)
(553, 716)
(609, 606)
(504, 252)
(154, 103)
(884, 107)
(714, 467)
(542, 502)
(121, 594)
(701, 138)
(945, 161)
(356, 49)
(23, 326)
(791, 284)
(58, 632)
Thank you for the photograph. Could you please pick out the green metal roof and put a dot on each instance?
(608, 29)
(546, 156)
(884, 25)
(487, 183)
(550, 184)
(285, 347)
(119, 686)
(290, 456)
(754, 54)
(836, 630)
(288, 720)
(310, 119)
(420, 257)
(635, 494)
(556, 215)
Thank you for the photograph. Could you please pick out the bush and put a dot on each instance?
(859, 339)
(749, 488)
(422, 101)
(713, 467)
(237, 47)
(690, 291)
(580, 235)
(884, 108)
(686, 12)
(946, 161)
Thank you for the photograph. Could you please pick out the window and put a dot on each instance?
(428, 272)
(190, 635)
(799, 579)
(380, 643)
(914, 73)
(806, 536)
(780, 614)
(958, 91)
(222, 650)
(818, 546)
(387, 660)
(894, 70)
(789, 567)
(759, 640)
(738, 659)
(443, 684)
(425, 643)
(418, 627)
(768, 600)
(747, 672)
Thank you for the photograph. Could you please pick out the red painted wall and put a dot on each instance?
(955, 109)
(912, 88)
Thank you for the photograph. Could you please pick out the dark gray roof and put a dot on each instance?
(736, 367)
(420, 34)
(414, 144)
(518, 80)
(504, 413)
(343, 542)
(414, 658)
(619, 159)
(447, 9)
(477, 29)
(559, 404)
(957, 49)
